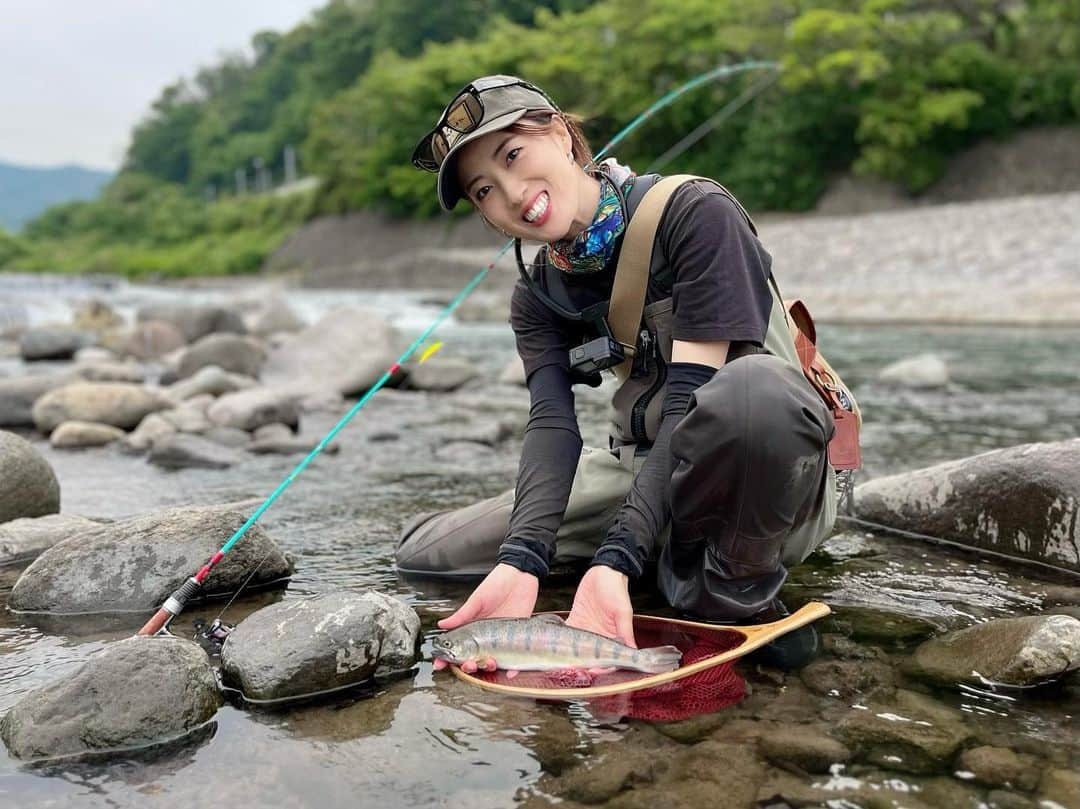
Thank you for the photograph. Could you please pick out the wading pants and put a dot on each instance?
(752, 494)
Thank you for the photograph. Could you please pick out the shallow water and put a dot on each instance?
(428, 739)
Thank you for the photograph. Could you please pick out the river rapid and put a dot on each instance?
(430, 740)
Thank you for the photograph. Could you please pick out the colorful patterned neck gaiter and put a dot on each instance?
(590, 250)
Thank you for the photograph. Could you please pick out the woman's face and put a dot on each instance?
(527, 185)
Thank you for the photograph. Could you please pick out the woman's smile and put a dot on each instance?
(538, 210)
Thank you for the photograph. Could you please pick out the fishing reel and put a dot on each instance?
(211, 636)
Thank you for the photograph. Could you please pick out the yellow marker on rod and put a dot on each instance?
(431, 351)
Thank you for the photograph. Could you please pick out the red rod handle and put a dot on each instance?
(154, 625)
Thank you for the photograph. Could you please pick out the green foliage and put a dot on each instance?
(11, 248)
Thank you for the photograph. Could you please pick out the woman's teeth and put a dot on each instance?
(538, 208)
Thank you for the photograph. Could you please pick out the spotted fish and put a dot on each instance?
(546, 643)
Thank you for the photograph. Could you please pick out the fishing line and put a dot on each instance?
(190, 588)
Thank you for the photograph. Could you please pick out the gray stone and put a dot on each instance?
(52, 343)
(136, 692)
(513, 373)
(209, 380)
(230, 352)
(23, 539)
(80, 434)
(296, 648)
(108, 371)
(188, 451)
(1060, 786)
(28, 485)
(116, 403)
(153, 339)
(909, 733)
(1022, 501)
(289, 446)
(1004, 799)
(921, 372)
(273, 317)
(17, 396)
(1007, 651)
(188, 418)
(275, 431)
(347, 350)
(228, 436)
(1001, 767)
(440, 374)
(251, 409)
(135, 564)
(193, 321)
(848, 678)
(152, 428)
(807, 747)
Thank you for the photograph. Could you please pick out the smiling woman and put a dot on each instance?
(718, 469)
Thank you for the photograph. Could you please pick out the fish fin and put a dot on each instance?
(659, 659)
(548, 617)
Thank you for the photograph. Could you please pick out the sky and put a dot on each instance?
(77, 75)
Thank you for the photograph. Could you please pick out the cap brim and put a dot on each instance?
(449, 188)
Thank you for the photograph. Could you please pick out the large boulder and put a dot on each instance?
(136, 692)
(52, 343)
(348, 350)
(251, 409)
(230, 352)
(299, 648)
(23, 539)
(193, 321)
(117, 403)
(1022, 501)
(135, 564)
(153, 339)
(1006, 651)
(17, 396)
(28, 485)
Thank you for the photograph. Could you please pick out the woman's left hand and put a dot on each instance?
(602, 604)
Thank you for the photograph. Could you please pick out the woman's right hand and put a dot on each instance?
(505, 592)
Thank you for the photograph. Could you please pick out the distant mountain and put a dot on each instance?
(26, 191)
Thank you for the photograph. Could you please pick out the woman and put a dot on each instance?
(718, 468)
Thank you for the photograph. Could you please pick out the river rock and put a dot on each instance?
(91, 354)
(1060, 786)
(289, 446)
(1022, 501)
(807, 747)
(135, 564)
(921, 372)
(1001, 767)
(251, 409)
(296, 648)
(209, 380)
(513, 373)
(28, 485)
(1007, 651)
(193, 321)
(17, 396)
(134, 693)
(440, 375)
(153, 339)
(847, 678)
(347, 350)
(80, 434)
(95, 316)
(152, 428)
(273, 317)
(230, 352)
(109, 371)
(188, 418)
(52, 343)
(116, 403)
(187, 451)
(23, 539)
(228, 436)
(910, 733)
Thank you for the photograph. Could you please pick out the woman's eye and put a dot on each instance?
(513, 153)
(482, 192)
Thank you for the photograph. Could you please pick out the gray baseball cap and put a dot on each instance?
(484, 105)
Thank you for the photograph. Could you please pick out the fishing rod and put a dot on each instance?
(191, 588)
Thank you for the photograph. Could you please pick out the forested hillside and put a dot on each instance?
(887, 88)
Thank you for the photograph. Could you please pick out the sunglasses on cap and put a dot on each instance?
(479, 102)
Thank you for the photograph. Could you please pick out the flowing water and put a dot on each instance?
(428, 739)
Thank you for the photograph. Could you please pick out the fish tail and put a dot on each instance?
(659, 659)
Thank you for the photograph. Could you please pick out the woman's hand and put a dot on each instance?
(505, 592)
(602, 604)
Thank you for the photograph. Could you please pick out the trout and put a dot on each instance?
(546, 643)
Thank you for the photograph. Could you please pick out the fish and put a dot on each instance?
(546, 643)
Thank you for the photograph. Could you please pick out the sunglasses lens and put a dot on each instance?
(439, 148)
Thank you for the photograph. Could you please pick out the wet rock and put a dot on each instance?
(513, 373)
(210, 380)
(251, 409)
(116, 403)
(52, 343)
(135, 564)
(134, 693)
(1060, 786)
(188, 451)
(848, 678)
(152, 428)
(81, 434)
(297, 648)
(910, 733)
(228, 436)
(17, 396)
(153, 339)
(1003, 799)
(1022, 501)
(863, 623)
(1001, 767)
(28, 485)
(441, 375)
(807, 747)
(922, 371)
(274, 316)
(696, 778)
(603, 778)
(106, 371)
(193, 321)
(946, 791)
(230, 352)
(1007, 651)
(347, 350)
(847, 649)
(23, 539)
